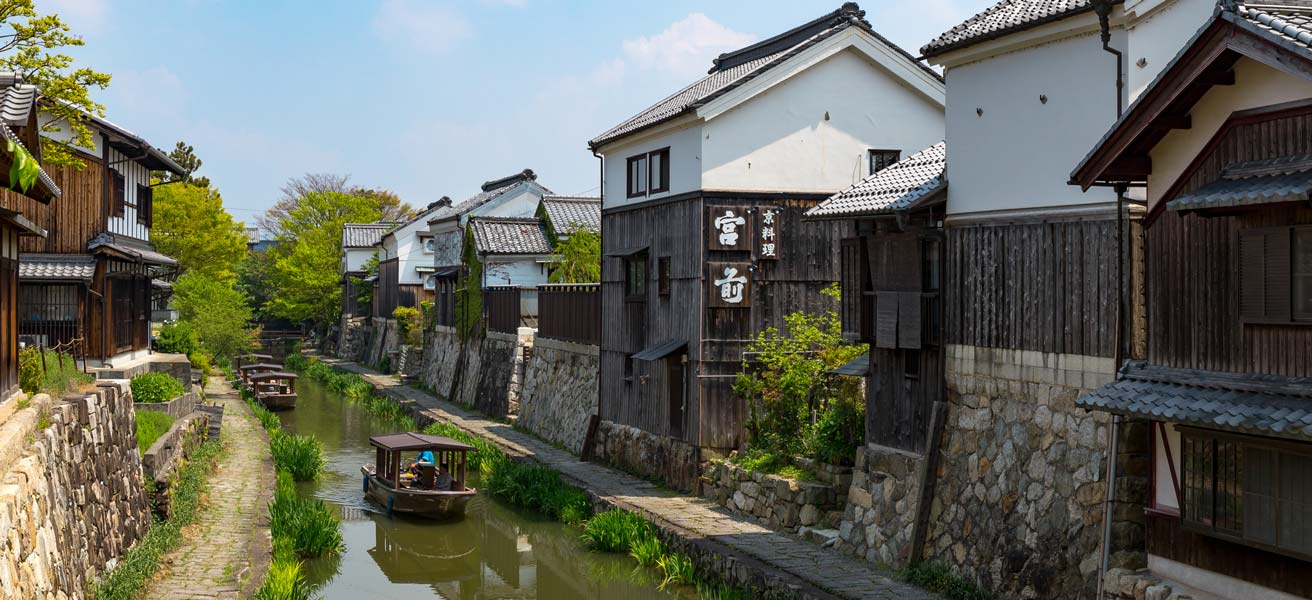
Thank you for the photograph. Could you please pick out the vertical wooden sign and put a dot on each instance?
(730, 285)
(769, 222)
(729, 228)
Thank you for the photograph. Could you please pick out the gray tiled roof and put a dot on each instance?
(1285, 179)
(1250, 403)
(16, 104)
(1005, 17)
(736, 68)
(900, 186)
(567, 213)
(490, 191)
(1290, 20)
(505, 235)
(364, 235)
(56, 266)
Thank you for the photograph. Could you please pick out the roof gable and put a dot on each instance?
(904, 185)
(735, 69)
(503, 235)
(1277, 36)
(566, 213)
(1001, 19)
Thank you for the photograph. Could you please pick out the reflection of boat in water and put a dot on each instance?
(433, 491)
(426, 554)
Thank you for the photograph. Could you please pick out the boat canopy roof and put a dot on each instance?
(416, 441)
(259, 366)
(263, 356)
(273, 375)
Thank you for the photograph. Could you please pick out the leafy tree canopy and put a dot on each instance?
(579, 258)
(185, 155)
(390, 205)
(219, 313)
(30, 43)
(192, 226)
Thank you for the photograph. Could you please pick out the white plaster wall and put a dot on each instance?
(1020, 152)
(811, 133)
(685, 164)
(405, 244)
(354, 259)
(1157, 30)
(522, 201)
(1163, 484)
(520, 271)
(1256, 85)
(135, 174)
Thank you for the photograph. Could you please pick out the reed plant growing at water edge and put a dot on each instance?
(300, 456)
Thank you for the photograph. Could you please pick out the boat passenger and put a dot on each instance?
(444, 481)
(425, 458)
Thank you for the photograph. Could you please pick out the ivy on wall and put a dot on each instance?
(469, 290)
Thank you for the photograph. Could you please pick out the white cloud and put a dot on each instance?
(155, 93)
(83, 16)
(424, 26)
(685, 48)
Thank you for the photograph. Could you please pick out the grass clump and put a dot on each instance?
(307, 525)
(678, 570)
(616, 531)
(150, 426)
(537, 488)
(154, 388)
(300, 456)
(139, 564)
(284, 580)
(647, 551)
(940, 579)
(49, 372)
(769, 462)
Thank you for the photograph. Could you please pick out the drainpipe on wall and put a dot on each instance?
(1103, 8)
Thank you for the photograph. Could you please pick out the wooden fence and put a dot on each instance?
(501, 308)
(570, 312)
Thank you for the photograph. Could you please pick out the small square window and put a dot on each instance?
(635, 277)
(882, 159)
(648, 173)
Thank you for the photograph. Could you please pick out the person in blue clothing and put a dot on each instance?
(426, 457)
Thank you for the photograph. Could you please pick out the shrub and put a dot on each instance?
(301, 456)
(615, 531)
(839, 432)
(938, 578)
(177, 338)
(150, 426)
(309, 527)
(151, 388)
(30, 375)
(409, 325)
(201, 361)
(49, 372)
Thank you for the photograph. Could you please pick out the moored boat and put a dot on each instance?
(432, 488)
(276, 390)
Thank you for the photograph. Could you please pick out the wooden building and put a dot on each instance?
(358, 246)
(703, 241)
(891, 279)
(20, 128)
(1220, 140)
(89, 285)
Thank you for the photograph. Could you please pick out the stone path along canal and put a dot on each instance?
(494, 552)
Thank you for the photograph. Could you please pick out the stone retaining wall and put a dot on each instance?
(882, 502)
(177, 365)
(1018, 498)
(382, 343)
(177, 408)
(647, 455)
(476, 372)
(560, 392)
(163, 457)
(779, 502)
(71, 495)
(353, 340)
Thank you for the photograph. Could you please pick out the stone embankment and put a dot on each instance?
(769, 563)
(559, 394)
(779, 502)
(72, 500)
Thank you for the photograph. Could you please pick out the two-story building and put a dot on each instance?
(359, 241)
(1219, 142)
(703, 241)
(89, 284)
(19, 129)
(405, 261)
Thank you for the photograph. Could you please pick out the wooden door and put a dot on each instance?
(676, 366)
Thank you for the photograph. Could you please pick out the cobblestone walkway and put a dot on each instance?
(835, 573)
(225, 552)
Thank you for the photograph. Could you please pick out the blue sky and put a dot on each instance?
(423, 97)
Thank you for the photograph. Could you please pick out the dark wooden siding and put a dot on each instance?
(8, 309)
(570, 312)
(70, 220)
(1168, 539)
(1192, 264)
(668, 230)
(1045, 286)
(389, 288)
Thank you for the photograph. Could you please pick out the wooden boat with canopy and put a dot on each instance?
(276, 390)
(245, 372)
(250, 359)
(433, 485)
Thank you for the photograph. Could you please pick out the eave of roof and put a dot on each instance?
(903, 186)
(939, 46)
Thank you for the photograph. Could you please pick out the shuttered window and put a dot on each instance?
(854, 281)
(1275, 274)
(118, 193)
(1247, 490)
(1302, 309)
(145, 205)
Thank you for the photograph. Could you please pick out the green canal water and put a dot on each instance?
(493, 552)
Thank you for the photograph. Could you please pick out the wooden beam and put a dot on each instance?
(1137, 164)
(1212, 78)
(1169, 122)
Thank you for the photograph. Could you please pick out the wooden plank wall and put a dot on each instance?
(388, 288)
(8, 308)
(1045, 286)
(1168, 539)
(671, 230)
(71, 219)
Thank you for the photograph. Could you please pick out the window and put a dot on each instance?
(663, 275)
(145, 205)
(648, 173)
(1247, 490)
(118, 193)
(635, 277)
(882, 159)
(1275, 274)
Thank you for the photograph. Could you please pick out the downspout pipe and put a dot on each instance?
(1103, 8)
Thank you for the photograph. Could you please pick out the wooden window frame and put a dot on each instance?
(118, 190)
(145, 205)
(1291, 315)
(1242, 443)
(635, 290)
(893, 156)
(630, 188)
(1295, 314)
(663, 275)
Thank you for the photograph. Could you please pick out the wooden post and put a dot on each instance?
(460, 483)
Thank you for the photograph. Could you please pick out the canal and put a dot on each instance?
(493, 552)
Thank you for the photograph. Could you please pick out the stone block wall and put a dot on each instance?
(177, 408)
(648, 455)
(162, 459)
(382, 342)
(779, 502)
(559, 393)
(1018, 497)
(353, 340)
(882, 502)
(476, 372)
(72, 499)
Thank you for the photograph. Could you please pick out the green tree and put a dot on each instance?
(364, 290)
(389, 204)
(185, 155)
(304, 274)
(255, 279)
(30, 43)
(579, 258)
(218, 312)
(192, 226)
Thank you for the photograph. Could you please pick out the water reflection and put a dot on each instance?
(493, 552)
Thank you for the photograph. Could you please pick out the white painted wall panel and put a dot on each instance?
(519, 271)
(685, 165)
(135, 174)
(355, 258)
(812, 132)
(1157, 31)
